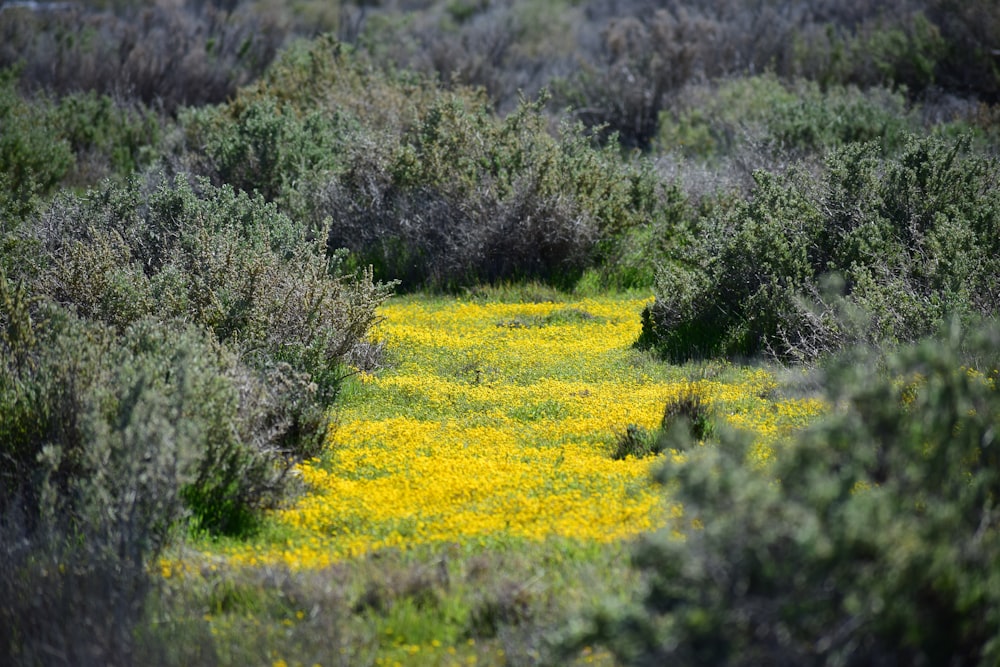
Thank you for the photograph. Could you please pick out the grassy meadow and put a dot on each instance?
(486, 442)
(468, 332)
(497, 424)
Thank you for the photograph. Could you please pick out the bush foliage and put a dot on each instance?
(169, 352)
(797, 118)
(913, 239)
(433, 188)
(100, 439)
(641, 53)
(154, 255)
(224, 261)
(32, 161)
(74, 141)
(871, 539)
(164, 54)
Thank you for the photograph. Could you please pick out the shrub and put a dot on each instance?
(647, 54)
(640, 63)
(327, 74)
(76, 140)
(751, 274)
(167, 352)
(282, 318)
(108, 442)
(689, 410)
(165, 55)
(837, 117)
(259, 146)
(628, 255)
(33, 160)
(711, 120)
(636, 442)
(221, 260)
(108, 137)
(96, 446)
(914, 239)
(481, 45)
(431, 187)
(968, 64)
(201, 426)
(871, 540)
(638, 56)
(465, 197)
(796, 118)
(688, 413)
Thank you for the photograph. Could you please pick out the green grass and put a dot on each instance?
(503, 602)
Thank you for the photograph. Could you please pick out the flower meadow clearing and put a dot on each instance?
(494, 422)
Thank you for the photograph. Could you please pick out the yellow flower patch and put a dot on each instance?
(496, 421)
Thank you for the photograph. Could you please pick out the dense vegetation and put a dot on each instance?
(872, 540)
(203, 204)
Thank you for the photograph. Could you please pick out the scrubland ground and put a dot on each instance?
(499, 332)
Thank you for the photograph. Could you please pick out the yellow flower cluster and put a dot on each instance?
(496, 422)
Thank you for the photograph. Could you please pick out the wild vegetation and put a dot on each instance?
(870, 539)
(747, 248)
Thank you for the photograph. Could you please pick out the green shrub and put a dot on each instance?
(628, 255)
(76, 140)
(839, 116)
(646, 55)
(261, 147)
(479, 44)
(745, 271)
(872, 539)
(968, 30)
(33, 159)
(466, 197)
(430, 187)
(325, 73)
(897, 48)
(639, 63)
(913, 238)
(218, 259)
(92, 461)
(637, 59)
(687, 413)
(796, 117)
(109, 441)
(636, 442)
(712, 120)
(689, 410)
(108, 138)
(199, 339)
(84, 402)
